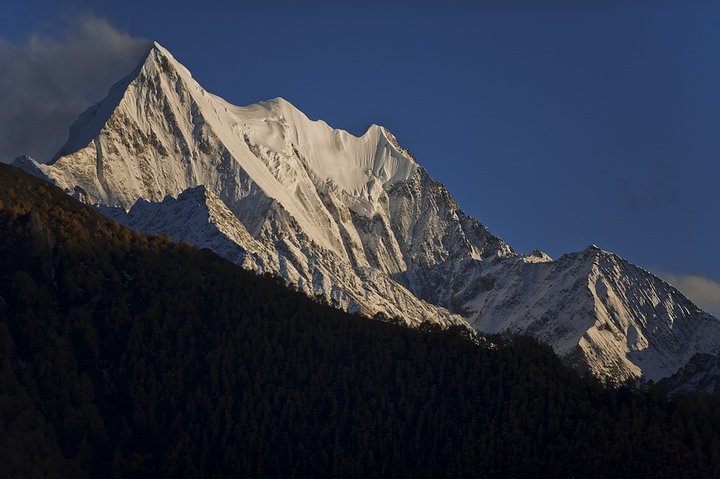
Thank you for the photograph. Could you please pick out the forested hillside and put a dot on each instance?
(123, 355)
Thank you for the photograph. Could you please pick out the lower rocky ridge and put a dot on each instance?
(199, 217)
(700, 374)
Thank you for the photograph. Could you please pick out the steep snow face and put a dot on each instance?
(357, 222)
(357, 165)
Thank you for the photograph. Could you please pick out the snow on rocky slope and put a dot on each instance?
(597, 310)
(701, 373)
(356, 221)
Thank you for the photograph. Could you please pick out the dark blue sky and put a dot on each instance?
(556, 127)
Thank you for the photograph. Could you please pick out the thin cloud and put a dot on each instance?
(702, 291)
(49, 79)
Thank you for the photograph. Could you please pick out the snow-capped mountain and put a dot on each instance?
(356, 221)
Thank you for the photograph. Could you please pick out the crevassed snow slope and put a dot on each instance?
(356, 221)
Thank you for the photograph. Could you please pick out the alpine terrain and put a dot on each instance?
(356, 222)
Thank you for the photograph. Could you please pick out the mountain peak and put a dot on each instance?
(157, 62)
(355, 220)
(162, 56)
(594, 250)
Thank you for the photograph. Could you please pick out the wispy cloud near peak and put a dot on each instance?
(702, 291)
(50, 78)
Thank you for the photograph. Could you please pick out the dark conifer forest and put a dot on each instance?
(123, 355)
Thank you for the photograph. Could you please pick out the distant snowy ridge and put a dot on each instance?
(598, 309)
(356, 221)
